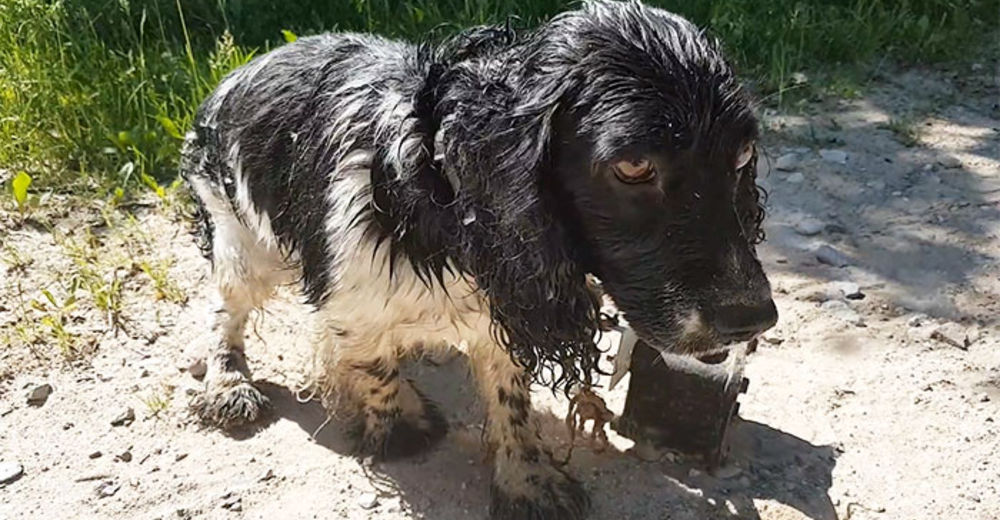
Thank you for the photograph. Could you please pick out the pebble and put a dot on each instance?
(10, 471)
(787, 162)
(983, 397)
(949, 161)
(107, 488)
(368, 500)
(809, 226)
(795, 178)
(180, 457)
(728, 472)
(267, 475)
(95, 455)
(125, 418)
(125, 456)
(197, 369)
(834, 156)
(829, 255)
(233, 503)
(38, 395)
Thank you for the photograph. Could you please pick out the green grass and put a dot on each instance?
(95, 94)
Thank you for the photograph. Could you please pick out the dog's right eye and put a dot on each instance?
(634, 172)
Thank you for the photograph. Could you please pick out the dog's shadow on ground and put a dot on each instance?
(452, 480)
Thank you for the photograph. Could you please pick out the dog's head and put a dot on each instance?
(621, 145)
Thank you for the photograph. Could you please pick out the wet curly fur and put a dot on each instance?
(457, 195)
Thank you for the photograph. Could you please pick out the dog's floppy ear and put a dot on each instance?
(750, 199)
(516, 246)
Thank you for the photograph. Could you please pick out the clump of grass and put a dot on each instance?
(905, 129)
(165, 288)
(96, 94)
(158, 401)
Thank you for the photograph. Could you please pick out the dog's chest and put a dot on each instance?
(402, 310)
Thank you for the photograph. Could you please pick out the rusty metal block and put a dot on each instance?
(684, 403)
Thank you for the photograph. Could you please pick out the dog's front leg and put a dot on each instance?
(525, 482)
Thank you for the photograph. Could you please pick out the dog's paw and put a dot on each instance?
(401, 435)
(537, 492)
(230, 406)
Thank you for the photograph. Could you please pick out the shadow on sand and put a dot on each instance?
(452, 480)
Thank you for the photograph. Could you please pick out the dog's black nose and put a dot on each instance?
(743, 322)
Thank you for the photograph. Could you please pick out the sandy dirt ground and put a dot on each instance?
(885, 406)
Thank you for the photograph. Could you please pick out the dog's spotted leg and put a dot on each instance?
(229, 398)
(525, 484)
(389, 417)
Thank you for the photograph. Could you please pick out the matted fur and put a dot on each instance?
(457, 195)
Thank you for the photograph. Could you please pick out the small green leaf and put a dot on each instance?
(289, 35)
(50, 298)
(20, 186)
(170, 127)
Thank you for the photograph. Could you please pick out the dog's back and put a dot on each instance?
(270, 145)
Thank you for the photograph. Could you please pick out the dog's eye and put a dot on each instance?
(746, 153)
(634, 172)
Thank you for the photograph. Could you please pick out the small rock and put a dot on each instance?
(367, 500)
(850, 290)
(952, 334)
(125, 456)
(197, 369)
(828, 255)
(787, 162)
(809, 226)
(694, 473)
(795, 178)
(916, 320)
(728, 472)
(773, 339)
(39, 394)
(268, 475)
(10, 471)
(834, 156)
(840, 310)
(125, 418)
(949, 161)
(233, 503)
(107, 488)
(180, 457)
(646, 451)
(983, 397)
(95, 455)
(799, 78)
(67, 426)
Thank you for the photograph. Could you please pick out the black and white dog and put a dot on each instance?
(457, 195)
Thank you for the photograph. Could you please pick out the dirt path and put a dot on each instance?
(884, 407)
